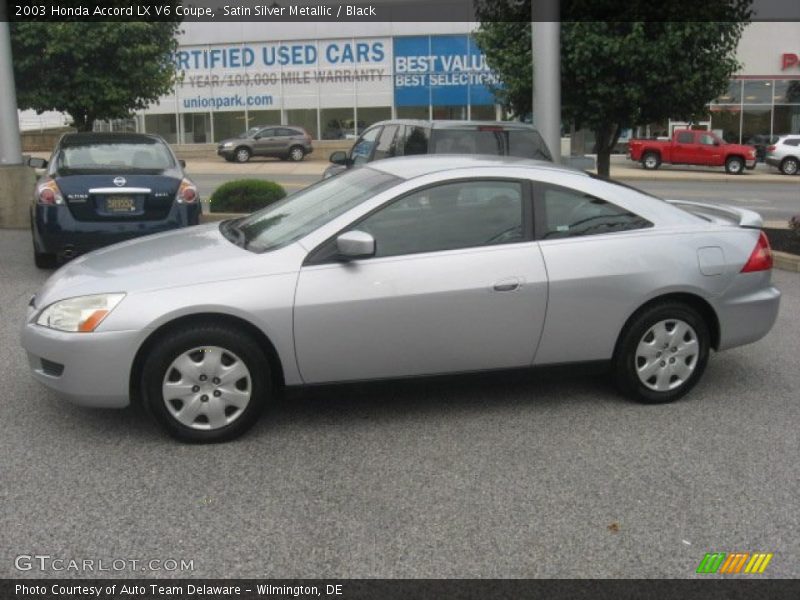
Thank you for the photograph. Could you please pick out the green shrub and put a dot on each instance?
(245, 195)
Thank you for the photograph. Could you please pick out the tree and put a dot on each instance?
(93, 70)
(637, 65)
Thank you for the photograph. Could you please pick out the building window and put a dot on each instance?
(727, 120)
(413, 112)
(228, 125)
(339, 124)
(757, 92)
(196, 128)
(755, 122)
(786, 119)
(372, 114)
(164, 125)
(787, 91)
(305, 118)
(262, 118)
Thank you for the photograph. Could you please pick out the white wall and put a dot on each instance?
(762, 45)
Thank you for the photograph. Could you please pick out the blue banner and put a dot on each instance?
(443, 70)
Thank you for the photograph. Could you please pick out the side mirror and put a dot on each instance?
(355, 244)
(182, 163)
(37, 163)
(339, 158)
(716, 142)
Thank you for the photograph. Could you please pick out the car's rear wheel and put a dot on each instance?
(789, 166)
(734, 165)
(207, 383)
(296, 153)
(651, 160)
(242, 154)
(662, 353)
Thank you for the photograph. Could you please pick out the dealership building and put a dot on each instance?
(336, 79)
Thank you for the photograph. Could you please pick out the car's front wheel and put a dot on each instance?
(662, 353)
(206, 383)
(734, 165)
(242, 155)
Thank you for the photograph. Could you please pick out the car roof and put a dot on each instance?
(447, 124)
(408, 167)
(87, 138)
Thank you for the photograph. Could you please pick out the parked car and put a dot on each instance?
(760, 142)
(405, 267)
(785, 154)
(103, 188)
(279, 141)
(689, 147)
(388, 139)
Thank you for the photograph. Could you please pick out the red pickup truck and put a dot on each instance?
(688, 147)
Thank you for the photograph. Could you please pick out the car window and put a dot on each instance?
(707, 139)
(792, 142)
(115, 156)
(386, 143)
(685, 137)
(415, 141)
(491, 140)
(285, 132)
(266, 132)
(304, 211)
(463, 214)
(570, 213)
(363, 147)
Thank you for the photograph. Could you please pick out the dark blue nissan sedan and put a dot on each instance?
(103, 188)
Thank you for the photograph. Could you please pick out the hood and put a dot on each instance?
(171, 259)
(743, 148)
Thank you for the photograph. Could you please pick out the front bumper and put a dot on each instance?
(88, 369)
(750, 163)
(225, 152)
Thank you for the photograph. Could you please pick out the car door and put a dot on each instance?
(456, 284)
(266, 142)
(685, 149)
(709, 150)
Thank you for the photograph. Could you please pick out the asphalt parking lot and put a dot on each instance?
(505, 475)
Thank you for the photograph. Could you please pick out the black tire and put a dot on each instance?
(228, 158)
(651, 160)
(242, 154)
(625, 358)
(790, 166)
(734, 165)
(42, 260)
(296, 153)
(176, 343)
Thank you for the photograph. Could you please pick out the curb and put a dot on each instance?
(786, 261)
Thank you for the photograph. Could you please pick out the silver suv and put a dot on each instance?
(785, 154)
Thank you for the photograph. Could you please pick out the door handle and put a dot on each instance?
(507, 285)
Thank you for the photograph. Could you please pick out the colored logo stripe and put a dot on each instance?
(734, 562)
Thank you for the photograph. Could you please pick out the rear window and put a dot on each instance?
(114, 156)
(502, 142)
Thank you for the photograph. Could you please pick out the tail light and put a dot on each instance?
(761, 257)
(47, 192)
(187, 192)
(770, 148)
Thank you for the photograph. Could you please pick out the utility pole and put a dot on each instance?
(16, 179)
(10, 148)
(546, 46)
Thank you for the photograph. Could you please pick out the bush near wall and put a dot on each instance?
(245, 195)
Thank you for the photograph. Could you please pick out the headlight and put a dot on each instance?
(83, 313)
(227, 145)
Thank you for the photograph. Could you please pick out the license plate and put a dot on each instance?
(120, 204)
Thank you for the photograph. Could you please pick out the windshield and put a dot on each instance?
(115, 156)
(301, 213)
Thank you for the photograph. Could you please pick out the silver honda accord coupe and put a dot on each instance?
(406, 267)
